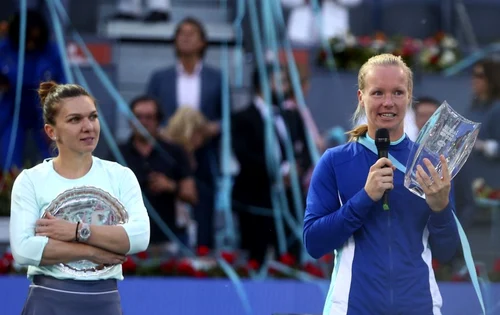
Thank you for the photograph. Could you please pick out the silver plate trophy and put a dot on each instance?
(445, 133)
(90, 205)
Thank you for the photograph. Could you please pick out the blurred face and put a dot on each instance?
(280, 86)
(423, 112)
(77, 126)
(385, 99)
(479, 84)
(189, 40)
(33, 40)
(146, 113)
(197, 139)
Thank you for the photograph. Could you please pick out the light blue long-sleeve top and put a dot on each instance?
(35, 188)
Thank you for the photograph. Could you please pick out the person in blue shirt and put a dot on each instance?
(383, 258)
(42, 62)
(44, 243)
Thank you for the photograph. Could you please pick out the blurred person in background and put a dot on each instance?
(423, 108)
(163, 172)
(151, 11)
(254, 183)
(188, 129)
(303, 27)
(299, 121)
(485, 84)
(192, 83)
(42, 62)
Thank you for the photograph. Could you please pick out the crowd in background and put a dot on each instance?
(181, 109)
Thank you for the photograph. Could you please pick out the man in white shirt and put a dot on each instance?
(308, 27)
(190, 82)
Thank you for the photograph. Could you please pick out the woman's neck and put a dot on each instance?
(394, 135)
(72, 166)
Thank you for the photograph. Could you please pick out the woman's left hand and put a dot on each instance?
(436, 188)
(55, 228)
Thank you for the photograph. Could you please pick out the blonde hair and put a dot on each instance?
(183, 124)
(378, 60)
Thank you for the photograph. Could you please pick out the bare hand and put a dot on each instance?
(55, 228)
(436, 188)
(380, 178)
(159, 183)
(103, 257)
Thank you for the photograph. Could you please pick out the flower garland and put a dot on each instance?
(433, 54)
(205, 266)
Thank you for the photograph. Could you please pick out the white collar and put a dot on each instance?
(197, 68)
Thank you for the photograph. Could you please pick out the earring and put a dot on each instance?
(55, 138)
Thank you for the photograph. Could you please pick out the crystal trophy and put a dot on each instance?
(446, 133)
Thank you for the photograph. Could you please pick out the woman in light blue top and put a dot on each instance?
(43, 244)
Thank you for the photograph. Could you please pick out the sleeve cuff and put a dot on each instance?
(361, 202)
(443, 217)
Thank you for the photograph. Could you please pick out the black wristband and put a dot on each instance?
(76, 231)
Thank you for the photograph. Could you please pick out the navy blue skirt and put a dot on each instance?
(50, 296)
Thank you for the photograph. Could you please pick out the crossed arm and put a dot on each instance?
(49, 241)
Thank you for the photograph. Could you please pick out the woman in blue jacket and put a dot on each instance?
(383, 258)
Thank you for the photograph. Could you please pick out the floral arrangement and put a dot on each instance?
(205, 265)
(485, 192)
(6, 183)
(445, 273)
(208, 265)
(432, 54)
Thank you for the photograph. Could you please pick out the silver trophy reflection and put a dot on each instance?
(446, 133)
(87, 205)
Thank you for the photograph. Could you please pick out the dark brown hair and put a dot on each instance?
(52, 94)
(491, 69)
(201, 31)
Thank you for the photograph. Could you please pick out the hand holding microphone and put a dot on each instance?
(381, 177)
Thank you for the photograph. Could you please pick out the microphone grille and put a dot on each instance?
(382, 140)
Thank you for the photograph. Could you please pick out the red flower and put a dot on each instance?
(9, 257)
(229, 257)
(434, 59)
(202, 250)
(272, 271)
(287, 259)
(4, 266)
(200, 274)
(168, 267)
(328, 258)
(365, 40)
(185, 268)
(129, 266)
(496, 266)
(495, 194)
(457, 278)
(253, 264)
(143, 255)
(435, 264)
(313, 270)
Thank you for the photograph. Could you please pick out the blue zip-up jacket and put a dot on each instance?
(383, 262)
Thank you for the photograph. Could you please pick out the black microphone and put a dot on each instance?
(382, 141)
